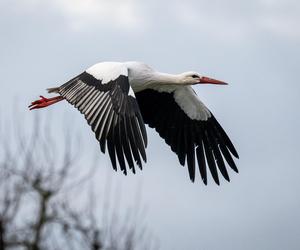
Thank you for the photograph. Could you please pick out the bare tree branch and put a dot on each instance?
(38, 178)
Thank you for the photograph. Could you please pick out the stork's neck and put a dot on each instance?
(165, 79)
(140, 80)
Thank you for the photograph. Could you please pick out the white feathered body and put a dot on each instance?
(141, 77)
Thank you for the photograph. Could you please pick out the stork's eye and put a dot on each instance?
(195, 76)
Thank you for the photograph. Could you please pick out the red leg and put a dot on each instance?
(44, 102)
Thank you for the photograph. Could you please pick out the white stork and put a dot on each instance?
(117, 99)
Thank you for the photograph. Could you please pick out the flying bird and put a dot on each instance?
(118, 99)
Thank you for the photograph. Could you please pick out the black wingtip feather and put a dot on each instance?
(217, 155)
(102, 145)
(126, 148)
(228, 158)
(201, 162)
(210, 160)
(132, 141)
(112, 154)
(119, 150)
(190, 153)
(225, 137)
(191, 164)
(138, 138)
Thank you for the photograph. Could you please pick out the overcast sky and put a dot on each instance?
(253, 45)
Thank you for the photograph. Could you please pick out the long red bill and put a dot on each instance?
(207, 80)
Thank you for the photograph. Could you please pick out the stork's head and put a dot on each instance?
(191, 78)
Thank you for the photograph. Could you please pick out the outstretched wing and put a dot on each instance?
(188, 126)
(103, 94)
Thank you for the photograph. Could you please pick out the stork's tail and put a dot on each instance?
(53, 90)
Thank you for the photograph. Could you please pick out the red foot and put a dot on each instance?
(44, 102)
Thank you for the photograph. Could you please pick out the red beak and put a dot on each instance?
(207, 80)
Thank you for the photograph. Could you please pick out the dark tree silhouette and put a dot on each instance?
(39, 182)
